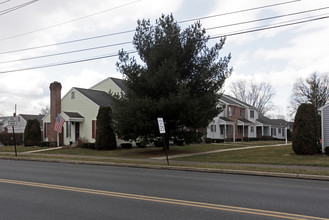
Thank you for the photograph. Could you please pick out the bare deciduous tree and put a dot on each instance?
(45, 111)
(314, 90)
(255, 94)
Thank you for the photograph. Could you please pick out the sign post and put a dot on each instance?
(12, 122)
(162, 130)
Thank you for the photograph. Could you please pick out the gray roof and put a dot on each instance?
(29, 117)
(234, 101)
(120, 83)
(226, 119)
(245, 121)
(279, 122)
(226, 98)
(264, 120)
(100, 98)
(73, 114)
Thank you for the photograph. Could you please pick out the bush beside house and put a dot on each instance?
(305, 135)
(105, 136)
(32, 133)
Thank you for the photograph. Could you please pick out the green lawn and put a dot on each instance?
(150, 152)
(270, 155)
(6, 149)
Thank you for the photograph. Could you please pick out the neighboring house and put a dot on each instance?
(21, 121)
(324, 111)
(3, 124)
(79, 108)
(239, 120)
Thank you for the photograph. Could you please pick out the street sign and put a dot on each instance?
(161, 126)
(12, 121)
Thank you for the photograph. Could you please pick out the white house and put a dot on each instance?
(79, 108)
(324, 111)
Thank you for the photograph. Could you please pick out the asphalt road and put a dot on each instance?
(41, 190)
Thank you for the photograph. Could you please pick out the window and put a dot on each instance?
(234, 111)
(273, 131)
(222, 129)
(213, 128)
(252, 114)
(230, 129)
(241, 113)
(93, 125)
(279, 130)
(72, 95)
(229, 111)
(68, 129)
(252, 129)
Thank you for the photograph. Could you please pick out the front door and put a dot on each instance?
(77, 130)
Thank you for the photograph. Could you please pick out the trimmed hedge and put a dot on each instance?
(105, 137)
(32, 133)
(305, 136)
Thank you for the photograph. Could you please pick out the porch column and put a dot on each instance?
(233, 132)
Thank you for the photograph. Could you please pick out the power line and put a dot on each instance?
(268, 18)
(16, 7)
(128, 42)
(267, 28)
(68, 42)
(66, 62)
(131, 51)
(68, 52)
(5, 2)
(70, 21)
(129, 31)
(239, 11)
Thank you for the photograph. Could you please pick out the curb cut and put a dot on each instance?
(180, 168)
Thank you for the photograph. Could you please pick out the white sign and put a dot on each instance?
(161, 126)
(12, 121)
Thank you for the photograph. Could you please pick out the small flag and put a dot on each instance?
(59, 123)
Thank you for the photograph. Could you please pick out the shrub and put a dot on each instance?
(126, 145)
(105, 137)
(32, 133)
(88, 145)
(305, 134)
(208, 140)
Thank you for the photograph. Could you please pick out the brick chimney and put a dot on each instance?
(55, 108)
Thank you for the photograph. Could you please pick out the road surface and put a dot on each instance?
(42, 190)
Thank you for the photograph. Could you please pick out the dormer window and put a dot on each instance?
(252, 114)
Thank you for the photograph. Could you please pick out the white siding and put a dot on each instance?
(106, 86)
(85, 108)
(325, 118)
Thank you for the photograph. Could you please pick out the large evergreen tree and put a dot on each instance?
(105, 137)
(180, 79)
(32, 133)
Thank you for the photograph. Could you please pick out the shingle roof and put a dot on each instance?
(73, 114)
(226, 98)
(100, 98)
(28, 117)
(226, 119)
(264, 120)
(120, 83)
(245, 121)
(231, 100)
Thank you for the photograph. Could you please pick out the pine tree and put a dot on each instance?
(179, 80)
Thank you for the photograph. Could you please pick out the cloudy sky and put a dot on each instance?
(279, 55)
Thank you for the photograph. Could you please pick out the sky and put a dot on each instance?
(279, 56)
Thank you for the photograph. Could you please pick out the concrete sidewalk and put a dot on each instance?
(214, 151)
